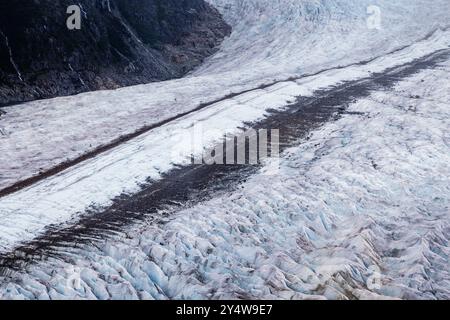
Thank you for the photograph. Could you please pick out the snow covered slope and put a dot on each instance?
(335, 223)
(284, 37)
(271, 40)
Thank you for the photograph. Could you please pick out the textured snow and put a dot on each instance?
(271, 40)
(365, 200)
(337, 217)
(95, 182)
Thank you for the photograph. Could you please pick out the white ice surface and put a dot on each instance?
(366, 199)
(95, 182)
(271, 39)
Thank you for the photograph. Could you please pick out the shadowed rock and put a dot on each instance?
(121, 42)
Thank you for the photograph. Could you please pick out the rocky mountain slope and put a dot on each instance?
(120, 43)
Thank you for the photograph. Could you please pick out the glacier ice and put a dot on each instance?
(336, 223)
(359, 210)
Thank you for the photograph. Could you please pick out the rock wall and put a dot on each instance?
(120, 43)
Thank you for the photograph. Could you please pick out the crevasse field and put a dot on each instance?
(358, 210)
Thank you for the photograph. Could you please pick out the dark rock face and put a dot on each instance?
(120, 43)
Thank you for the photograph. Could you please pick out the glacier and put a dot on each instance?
(336, 217)
(359, 210)
(96, 182)
(271, 40)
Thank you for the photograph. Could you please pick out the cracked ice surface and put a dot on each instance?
(94, 183)
(270, 40)
(367, 192)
